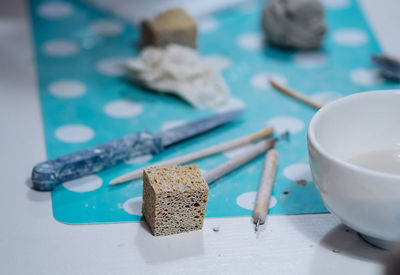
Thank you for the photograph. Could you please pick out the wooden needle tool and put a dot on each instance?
(230, 165)
(227, 145)
(296, 95)
(265, 188)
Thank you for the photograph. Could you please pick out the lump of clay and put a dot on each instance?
(174, 199)
(173, 26)
(294, 23)
(181, 71)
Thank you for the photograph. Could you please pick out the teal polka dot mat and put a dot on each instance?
(86, 101)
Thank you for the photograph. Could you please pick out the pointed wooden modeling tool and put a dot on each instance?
(230, 165)
(265, 188)
(295, 95)
(197, 155)
(46, 175)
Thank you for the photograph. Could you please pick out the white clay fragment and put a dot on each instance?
(181, 71)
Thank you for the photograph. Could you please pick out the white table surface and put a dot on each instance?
(33, 242)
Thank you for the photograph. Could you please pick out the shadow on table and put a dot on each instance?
(346, 241)
(168, 248)
(343, 250)
(34, 195)
(339, 239)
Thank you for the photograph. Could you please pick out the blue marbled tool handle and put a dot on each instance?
(46, 175)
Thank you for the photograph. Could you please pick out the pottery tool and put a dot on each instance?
(295, 95)
(388, 66)
(243, 158)
(46, 175)
(265, 188)
(197, 155)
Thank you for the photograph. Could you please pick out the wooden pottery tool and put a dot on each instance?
(197, 155)
(295, 95)
(46, 175)
(265, 188)
(243, 158)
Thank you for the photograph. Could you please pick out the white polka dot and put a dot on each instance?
(217, 62)
(234, 103)
(309, 60)
(112, 66)
(261, 81)
(208, 24)
(272, 202)
(365, 77)
(203, 172)
(326, 97)
(74, 133)
(298, 171)
(60, 48)
(336, 4)
(106, 27)
(233, 153)
(247, 200)
(67, 88)
(172, 124)
(85, 184)
(251, 41)
(55, 10)
(246, 6)
(133, 206)
(122, 108)
(282, 124)
(140, 159)
(350, 37)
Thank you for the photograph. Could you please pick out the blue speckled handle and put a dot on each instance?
(46, 175)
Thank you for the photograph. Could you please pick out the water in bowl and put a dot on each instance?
(384, 160)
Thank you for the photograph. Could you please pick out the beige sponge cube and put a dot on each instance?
(173, 26)
(174, 199)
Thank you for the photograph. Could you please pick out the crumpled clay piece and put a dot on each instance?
(181, 71)
(294, 23)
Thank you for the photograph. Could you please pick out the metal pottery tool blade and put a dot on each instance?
(180, 133)
(46, 175)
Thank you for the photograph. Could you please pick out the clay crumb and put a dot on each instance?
(285, 194)
(301, 182)
(216, 228)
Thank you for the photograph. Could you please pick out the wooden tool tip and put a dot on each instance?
(115, 181)
(263, 133)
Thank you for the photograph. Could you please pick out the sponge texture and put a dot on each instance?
(174, 199)
(173, 26)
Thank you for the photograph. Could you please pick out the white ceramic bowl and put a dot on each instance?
(365, 200)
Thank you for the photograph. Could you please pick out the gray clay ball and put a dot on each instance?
(294, 23)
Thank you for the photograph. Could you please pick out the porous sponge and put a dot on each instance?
(174, 199)
(173, 26)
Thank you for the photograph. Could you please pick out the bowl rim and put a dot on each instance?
(313, 140)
